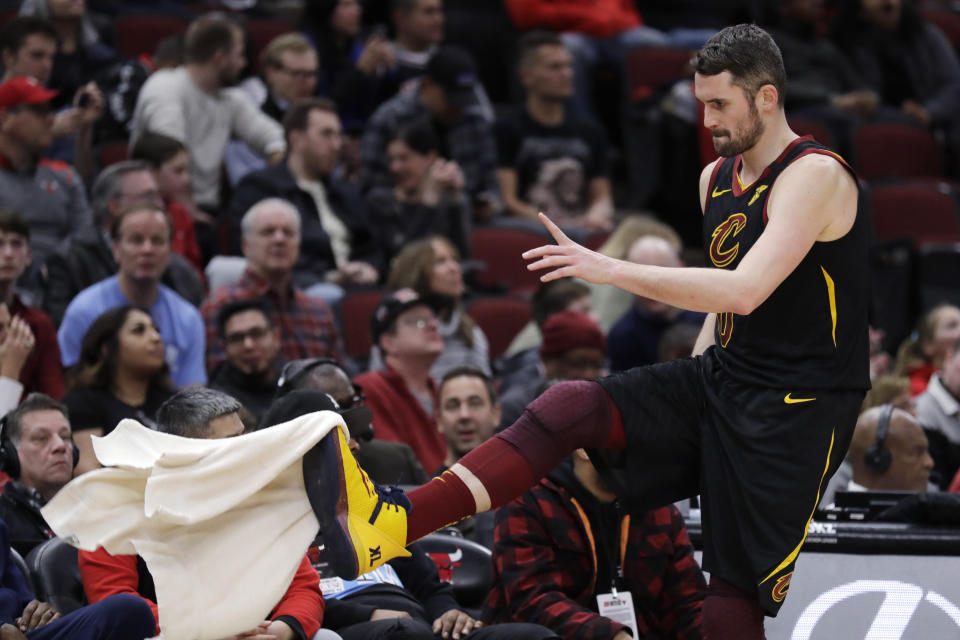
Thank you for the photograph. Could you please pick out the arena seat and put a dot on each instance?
(805, 127)
(652, 68)
(938, 267)
(139, 34)
(356, 309)
(263, 31)
(24, 569)
(56, 575)
(463, 563)
(112, 152)
(499, 249)
(501, 319)
(925, 212)
(947, 21)
(887, 150)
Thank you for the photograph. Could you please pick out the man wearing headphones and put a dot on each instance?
(889, 452)
(37, 452)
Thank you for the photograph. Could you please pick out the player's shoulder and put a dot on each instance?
(819, 167)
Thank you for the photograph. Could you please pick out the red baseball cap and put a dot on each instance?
(24, 90)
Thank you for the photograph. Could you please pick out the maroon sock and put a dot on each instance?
(565, 417)
(730, 613)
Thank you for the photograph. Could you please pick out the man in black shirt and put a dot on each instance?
(38, 455)
(550, 159)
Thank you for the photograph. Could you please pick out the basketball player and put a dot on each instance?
(756, 423)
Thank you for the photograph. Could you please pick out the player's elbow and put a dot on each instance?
(746, 300)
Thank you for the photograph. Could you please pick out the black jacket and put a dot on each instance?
(20, 509)
(255, 392)
(85, 258)
(316, 254)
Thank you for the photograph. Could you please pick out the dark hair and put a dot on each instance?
(678, 341)
(206, 36)
(469, 372)
(532, 40)
(156, 149)
(15, 33)
(849, 28)
(99, 350)
(169, 51)
(188, 412)
(13, 421)
(234, 307)
(749, 54)
(405, 5)
(419, 136)
(298, 115)
(555, 296)
(13, 222)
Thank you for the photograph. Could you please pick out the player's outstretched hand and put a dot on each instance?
(567, 258)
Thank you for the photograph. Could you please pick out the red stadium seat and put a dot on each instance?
(499, 249)
(112, 153)
(804, 127)
(650, 68)
(925, 212)
(263, 31)
(139, 34)
(895, 151)
(356, 309)
(501, 320)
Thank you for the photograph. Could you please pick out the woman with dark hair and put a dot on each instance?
(170, 164)
(905, 59)
(121, 373)
(427, 196)
(431, 267)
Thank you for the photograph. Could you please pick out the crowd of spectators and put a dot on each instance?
(263, 184)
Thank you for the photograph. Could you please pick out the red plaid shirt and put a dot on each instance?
(544, 570)
(307, 327)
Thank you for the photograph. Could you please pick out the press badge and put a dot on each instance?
(618, 606)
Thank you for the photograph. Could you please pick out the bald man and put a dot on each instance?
(909, 461)
(634, 339)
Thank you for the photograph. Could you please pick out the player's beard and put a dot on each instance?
(746, 136)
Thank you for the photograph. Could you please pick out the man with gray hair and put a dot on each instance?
(86, 257)
(271, 244)
(205, 414)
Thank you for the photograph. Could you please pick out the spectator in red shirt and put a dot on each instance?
(566, 540)
(598, 32)
(204, 413)
(33, 362)
(403, 396)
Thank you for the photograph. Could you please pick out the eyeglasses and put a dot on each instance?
(299, 74)
(239, 337)
(420, 322)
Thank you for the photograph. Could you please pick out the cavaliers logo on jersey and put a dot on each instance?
(780, 589)
(720, 255)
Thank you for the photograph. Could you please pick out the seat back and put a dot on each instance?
(356, 309)
(922, 211)
(498, 250)
(464, 564)
(887, 150)
(939, 267)
(501, 320)
(56, 575)
(24, 570)
(139, 34)
(651, 68)
(805, 127)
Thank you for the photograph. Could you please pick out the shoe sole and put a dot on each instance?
(331, 507)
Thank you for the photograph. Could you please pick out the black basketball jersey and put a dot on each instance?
(811, 333)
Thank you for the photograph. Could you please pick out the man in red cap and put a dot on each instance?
(49, 194)
(573, 348)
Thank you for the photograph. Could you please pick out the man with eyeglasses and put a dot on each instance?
(386, 462)
(86, 257)
(289, 65)
(49, 194)
(402, 395)
(252, 346)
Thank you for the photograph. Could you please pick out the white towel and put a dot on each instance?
(222, 524)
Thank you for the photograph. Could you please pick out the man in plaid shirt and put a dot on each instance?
(559, 546)
(271, 244)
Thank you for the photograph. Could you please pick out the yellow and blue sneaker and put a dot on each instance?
(363, 524)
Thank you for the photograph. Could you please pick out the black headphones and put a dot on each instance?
(878, 457)
(10, 459)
